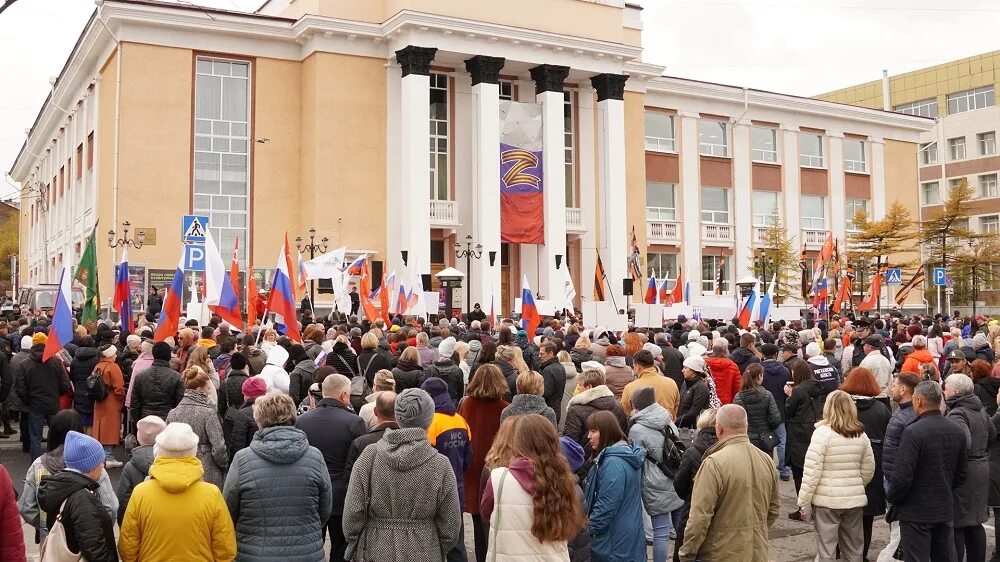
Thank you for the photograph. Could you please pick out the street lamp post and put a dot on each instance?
(136, 241)
(975, 268)
(862, 267)
(312, 247)
(762, 261)
(468, 253)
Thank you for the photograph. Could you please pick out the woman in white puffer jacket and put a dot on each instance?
(838, 466)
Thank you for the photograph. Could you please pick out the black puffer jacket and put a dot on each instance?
(125, 360)
(407, 375)
(691, 462)
(157, 391)
(596, 399)
(762, 411)
(986, 389)
(83, 364)
(581, 355)
(446, 369)
(743, 358)
(244, 428)
(342, 359)
(694, 399)
(89, 529)
(803, 409)
(874, 413)
(371, 361)
(776, 375)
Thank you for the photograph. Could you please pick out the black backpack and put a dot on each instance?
(673, 450)
(96, 389)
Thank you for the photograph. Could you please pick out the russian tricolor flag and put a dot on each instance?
(402, 302)
(281, 300)
(650, 297)
(355, 267)
(123, 296)
(61, 329)
(765, 303)
(747, 313)
(664, 294)
(220, 295)
(529, 312)
(170, 315)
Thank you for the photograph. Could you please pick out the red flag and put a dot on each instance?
(365, 292)
(827, 252)
(871, 299)
(677, 295)
(844, 295)
(383, 298)
(234, 274)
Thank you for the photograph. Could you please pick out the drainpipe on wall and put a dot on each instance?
(886, 97)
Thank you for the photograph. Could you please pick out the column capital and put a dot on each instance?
(415, 60)
(609, 86)
(484, 69)
(549, 77)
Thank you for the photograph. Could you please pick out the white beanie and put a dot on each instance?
(693, 335)
(593, 366)
(176, 440)
(695, 363)
(696, 350)
(812, 350)
(653, 349)
(447, 347)
(26, 342)
(133, 340)
(111, 351)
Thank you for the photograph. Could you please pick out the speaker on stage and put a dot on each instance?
(426, 280)
(376, 274)
(627, 286)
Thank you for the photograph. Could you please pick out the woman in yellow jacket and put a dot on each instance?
(175, 515)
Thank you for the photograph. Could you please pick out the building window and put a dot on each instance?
(765, 208)
(506, 90)
(956, 148)
(987, 143)
(711, 267)
(971, 100)
(853, 207)
(810, 150)
(930, 193)
(923, 108)
(78, 160)
(663, 266)
(568, 133)
(439, 128)
(661, 202)
(814, 212)
(763, 144)
(712, 138)
(855, 157)
(989, 225)
(928, 153)
(988, 185)
(660, 132)
(715, 205)
(954, 182)
(222, 149)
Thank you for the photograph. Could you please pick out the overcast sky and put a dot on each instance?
(802, 47)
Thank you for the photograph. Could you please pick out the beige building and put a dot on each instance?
(376, 123)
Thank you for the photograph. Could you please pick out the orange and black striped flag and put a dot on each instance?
(913, 283)
(599, 278)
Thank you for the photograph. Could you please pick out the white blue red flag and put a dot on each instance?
(170, 315)
(529, 312)
(123, 296)
(765, 303)
(220, 295)
(61, 329)
(281, 300)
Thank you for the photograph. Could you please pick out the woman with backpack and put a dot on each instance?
(80, 369)
(107, 387)
(650, 423)
(763, 417)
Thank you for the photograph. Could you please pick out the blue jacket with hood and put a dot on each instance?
(614, 505)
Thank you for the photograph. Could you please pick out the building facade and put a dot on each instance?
(377, 123)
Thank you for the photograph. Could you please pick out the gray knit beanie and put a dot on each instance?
(414, 408)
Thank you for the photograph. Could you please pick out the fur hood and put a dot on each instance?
(591, 394)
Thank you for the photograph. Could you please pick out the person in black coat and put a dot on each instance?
(930, 465)
(673, 359)
(695, 396)
(776, 376)
(385, 413)
(159, 388)
(803, 409)
(690, 463)
(554, 376)
(154, 304)
(38, 385)
(744, 355)
(231, 393)
(371, 360)
(408, 373)
(80, 369)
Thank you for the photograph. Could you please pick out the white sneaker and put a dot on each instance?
(112, 463)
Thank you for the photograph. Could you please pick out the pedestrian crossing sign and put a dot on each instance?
(193, 229)
(894, 276)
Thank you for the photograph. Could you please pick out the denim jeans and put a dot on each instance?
(782, 441)
(36, 425)
(661, 536)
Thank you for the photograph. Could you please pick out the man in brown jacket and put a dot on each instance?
(665, 388)
(735, 497)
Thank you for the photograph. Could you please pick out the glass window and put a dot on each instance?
(712, 268)
(956, 148)
(660, 132)
(811, 150)
(222, 153)
(661, 204)
(663, 266)
(851, 208)
(987, 143)
(990, 224)
(923, 108)
(506, 90)
(712, 138)
(439, 138)
(814, 212)
(568, 129)
(988, 185)
(765, 208)
(855, 157)
(930, 193)
(928, 153)
(954, 182)
(971, 100)
(715, 205)
(764, 144)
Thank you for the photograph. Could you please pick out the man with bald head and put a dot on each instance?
(735, 497)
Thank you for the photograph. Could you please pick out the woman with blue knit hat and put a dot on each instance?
(70, 495)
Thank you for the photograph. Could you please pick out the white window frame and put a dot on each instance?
(716, 216)
(654, 213)
(714, 149)
(989, 224)
(569, 153)
(654, 263)
(971, 100)
(708, 285)
(437, 126)
(661, 144)
(928, 153)
(760, 154)
(957, 148)
(923, 192)
(858, 166)
(851, 206)
(811, 160)
(987, 142)
(923, 108)
(988, 185)
(764, 220)
(813, 223)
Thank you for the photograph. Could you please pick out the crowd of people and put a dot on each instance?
(572, 443)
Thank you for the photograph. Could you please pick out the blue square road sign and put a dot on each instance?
(193, 229)
(194, 257)
(940, 277)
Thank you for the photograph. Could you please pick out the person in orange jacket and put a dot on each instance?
(920, 356)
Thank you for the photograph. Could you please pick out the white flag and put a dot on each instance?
(326, 266)
(569, 291)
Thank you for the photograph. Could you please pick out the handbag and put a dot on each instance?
(496, 514)
(765, 441)
(55, 548)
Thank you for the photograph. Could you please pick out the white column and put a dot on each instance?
(838, 193)
(414, 120)
(611, 156)
(485, 150)
(690, 189)
(549, 92)
(878, 176)
(589, 203)
(742, 200)
(791, 189)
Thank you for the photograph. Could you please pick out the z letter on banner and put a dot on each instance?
(521, 176)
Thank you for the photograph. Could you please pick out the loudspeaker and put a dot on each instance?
(376, 274)
(426, 280)
(627, 287)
